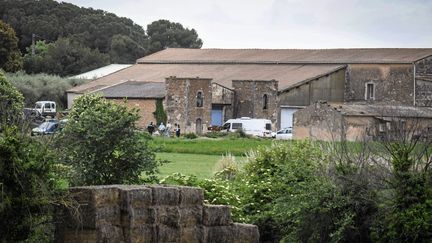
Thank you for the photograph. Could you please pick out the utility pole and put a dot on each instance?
(33, 44)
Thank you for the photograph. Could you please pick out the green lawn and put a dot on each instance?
(189, 164)
(208, 146)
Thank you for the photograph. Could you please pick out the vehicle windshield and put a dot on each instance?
(226, 126)
(38, 106)
(46, 125)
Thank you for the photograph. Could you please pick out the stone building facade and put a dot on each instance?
(359, 122)
(189, 103)
(234, 83)
(256, 99)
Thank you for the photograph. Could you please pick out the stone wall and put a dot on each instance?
(248, 101)
(424, 82)
(146, 108)
(120, 213)
(393, 83)
(181, 103)
(318, 121)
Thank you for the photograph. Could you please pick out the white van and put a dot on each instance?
(254, 127)
(46, 108)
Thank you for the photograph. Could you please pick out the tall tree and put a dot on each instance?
(51, 20)
(163, 34)
(10, 55)
(64, 57)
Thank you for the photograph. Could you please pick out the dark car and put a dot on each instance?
(48, 127)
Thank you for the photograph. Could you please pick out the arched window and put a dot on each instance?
(265, 102)
(199, 99)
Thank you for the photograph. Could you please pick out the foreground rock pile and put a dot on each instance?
(121, 213)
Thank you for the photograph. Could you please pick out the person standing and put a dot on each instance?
(161, 128)
(168, 129)
(178, 130)
(150, 128)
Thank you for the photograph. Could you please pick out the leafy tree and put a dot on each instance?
(405, 212)
(29, 189)
(125, 50)
(28, 183)
(101, 144)
(10, 55)
(64, 57)
(163, 34)
(51, 20)
(11, 102)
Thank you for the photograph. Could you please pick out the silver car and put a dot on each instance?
(284, 134)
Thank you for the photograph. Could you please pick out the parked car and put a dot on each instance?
(48, 127)
(284, 134)
(46, 108)
(254, 127)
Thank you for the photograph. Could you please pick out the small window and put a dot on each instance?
(268, 126)
(199, 99)
(48, 105)
(389, 126)
(265, 102)
(381, 127)
(237, 126)
(370, 91)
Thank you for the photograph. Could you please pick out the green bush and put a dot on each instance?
(11, 102)
(405, 213)
(190, 135)
(216, 134)
(101, 144)
(29, 188)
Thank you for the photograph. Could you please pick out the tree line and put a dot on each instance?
(71, 39)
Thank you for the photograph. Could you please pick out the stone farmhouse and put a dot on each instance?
(205, 87)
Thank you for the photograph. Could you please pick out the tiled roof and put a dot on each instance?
(288, 56)
(287, 75)
(132, 89)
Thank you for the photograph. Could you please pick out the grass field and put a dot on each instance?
(199, 165)
(208, 146)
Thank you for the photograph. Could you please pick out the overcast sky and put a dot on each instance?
(287, 23)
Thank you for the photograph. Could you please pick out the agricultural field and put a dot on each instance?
(209, 146)
(199, 156)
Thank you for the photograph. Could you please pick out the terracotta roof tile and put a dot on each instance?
(223, 74)
(292, 56)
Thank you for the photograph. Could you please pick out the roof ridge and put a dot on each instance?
(305, 49)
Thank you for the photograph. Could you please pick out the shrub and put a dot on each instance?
(190, 135)
(226, 167)
(216, 134)
(239, 133)
(11, 102)
(405, 208)
(28, 188)
(101, 144)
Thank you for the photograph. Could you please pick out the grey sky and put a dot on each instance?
(287, 23)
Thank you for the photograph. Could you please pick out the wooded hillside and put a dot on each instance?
(118, 39)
